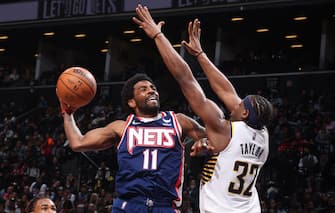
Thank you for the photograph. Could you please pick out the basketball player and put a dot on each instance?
(149, 148)
(41, 205)
(240, 144)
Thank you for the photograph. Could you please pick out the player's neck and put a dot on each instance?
(148, 118)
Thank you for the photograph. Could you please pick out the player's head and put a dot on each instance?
(41, 205)
(139, 95)
(255, 110)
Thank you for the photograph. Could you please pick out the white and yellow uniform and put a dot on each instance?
(229, 178)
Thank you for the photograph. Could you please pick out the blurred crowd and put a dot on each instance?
(35, 158)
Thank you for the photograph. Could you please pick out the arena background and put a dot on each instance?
(292, 59)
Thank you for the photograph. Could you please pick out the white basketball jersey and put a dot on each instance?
(229, 178)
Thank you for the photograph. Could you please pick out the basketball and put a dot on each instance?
(76, 86)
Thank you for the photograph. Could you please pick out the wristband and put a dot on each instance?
(155, 36)
(199, 54)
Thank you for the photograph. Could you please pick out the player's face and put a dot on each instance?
(45, 206)
(238, 113)
(146, 98)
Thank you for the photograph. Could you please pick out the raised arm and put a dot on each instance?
(218, 81)
(93, 140)
(206, 109)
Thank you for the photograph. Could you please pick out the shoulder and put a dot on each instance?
(183, 119)
(188, 123)
(239, 124)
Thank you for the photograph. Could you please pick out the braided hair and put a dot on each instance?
(263, 109)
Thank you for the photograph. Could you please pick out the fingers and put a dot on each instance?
(194, 27)
(189, 28)
(201, 147)
(184, 43)
(146, 12)
(137, 21)
(198, 29)
(65, 107)
(147, 23)
(160, 24)
(143, 12)
(139, 11)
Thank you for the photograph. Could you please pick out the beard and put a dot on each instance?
(149, 109)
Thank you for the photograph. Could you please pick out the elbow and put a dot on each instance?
(75, 147)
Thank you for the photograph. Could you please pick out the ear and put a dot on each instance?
(245, 114)
(132, 103)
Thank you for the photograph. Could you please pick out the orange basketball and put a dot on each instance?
(76, 86)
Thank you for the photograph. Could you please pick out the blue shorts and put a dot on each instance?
(144, 205)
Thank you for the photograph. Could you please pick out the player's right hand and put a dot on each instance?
(147, 23)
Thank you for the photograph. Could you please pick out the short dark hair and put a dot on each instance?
(263, 108)
(32, 203)
(128, 90)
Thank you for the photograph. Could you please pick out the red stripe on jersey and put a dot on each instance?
(129, 118)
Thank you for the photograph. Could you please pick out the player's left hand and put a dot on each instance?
(65, 108)
(147, 23)
(194, 32)
(201, 147)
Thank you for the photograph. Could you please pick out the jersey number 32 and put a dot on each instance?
(244, 169)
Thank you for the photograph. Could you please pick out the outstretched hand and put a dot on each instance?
(147, 23)
(201, 147)
(194, 32)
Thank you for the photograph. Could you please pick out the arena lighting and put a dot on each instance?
(135, 40)
(3, 37)
(262, 30)
(82, 35)
(106, 42)
(237, 19)
(297, 46)
(176, 45)
(291, 36)
(49, 34)
(300, 18)
(129, 32)
(2, 49)
(104, 50)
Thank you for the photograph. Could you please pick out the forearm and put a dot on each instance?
(219, 82)
(72, 132)
(173, 61)
(183, 75)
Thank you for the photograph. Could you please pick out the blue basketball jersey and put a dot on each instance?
(151, 159)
